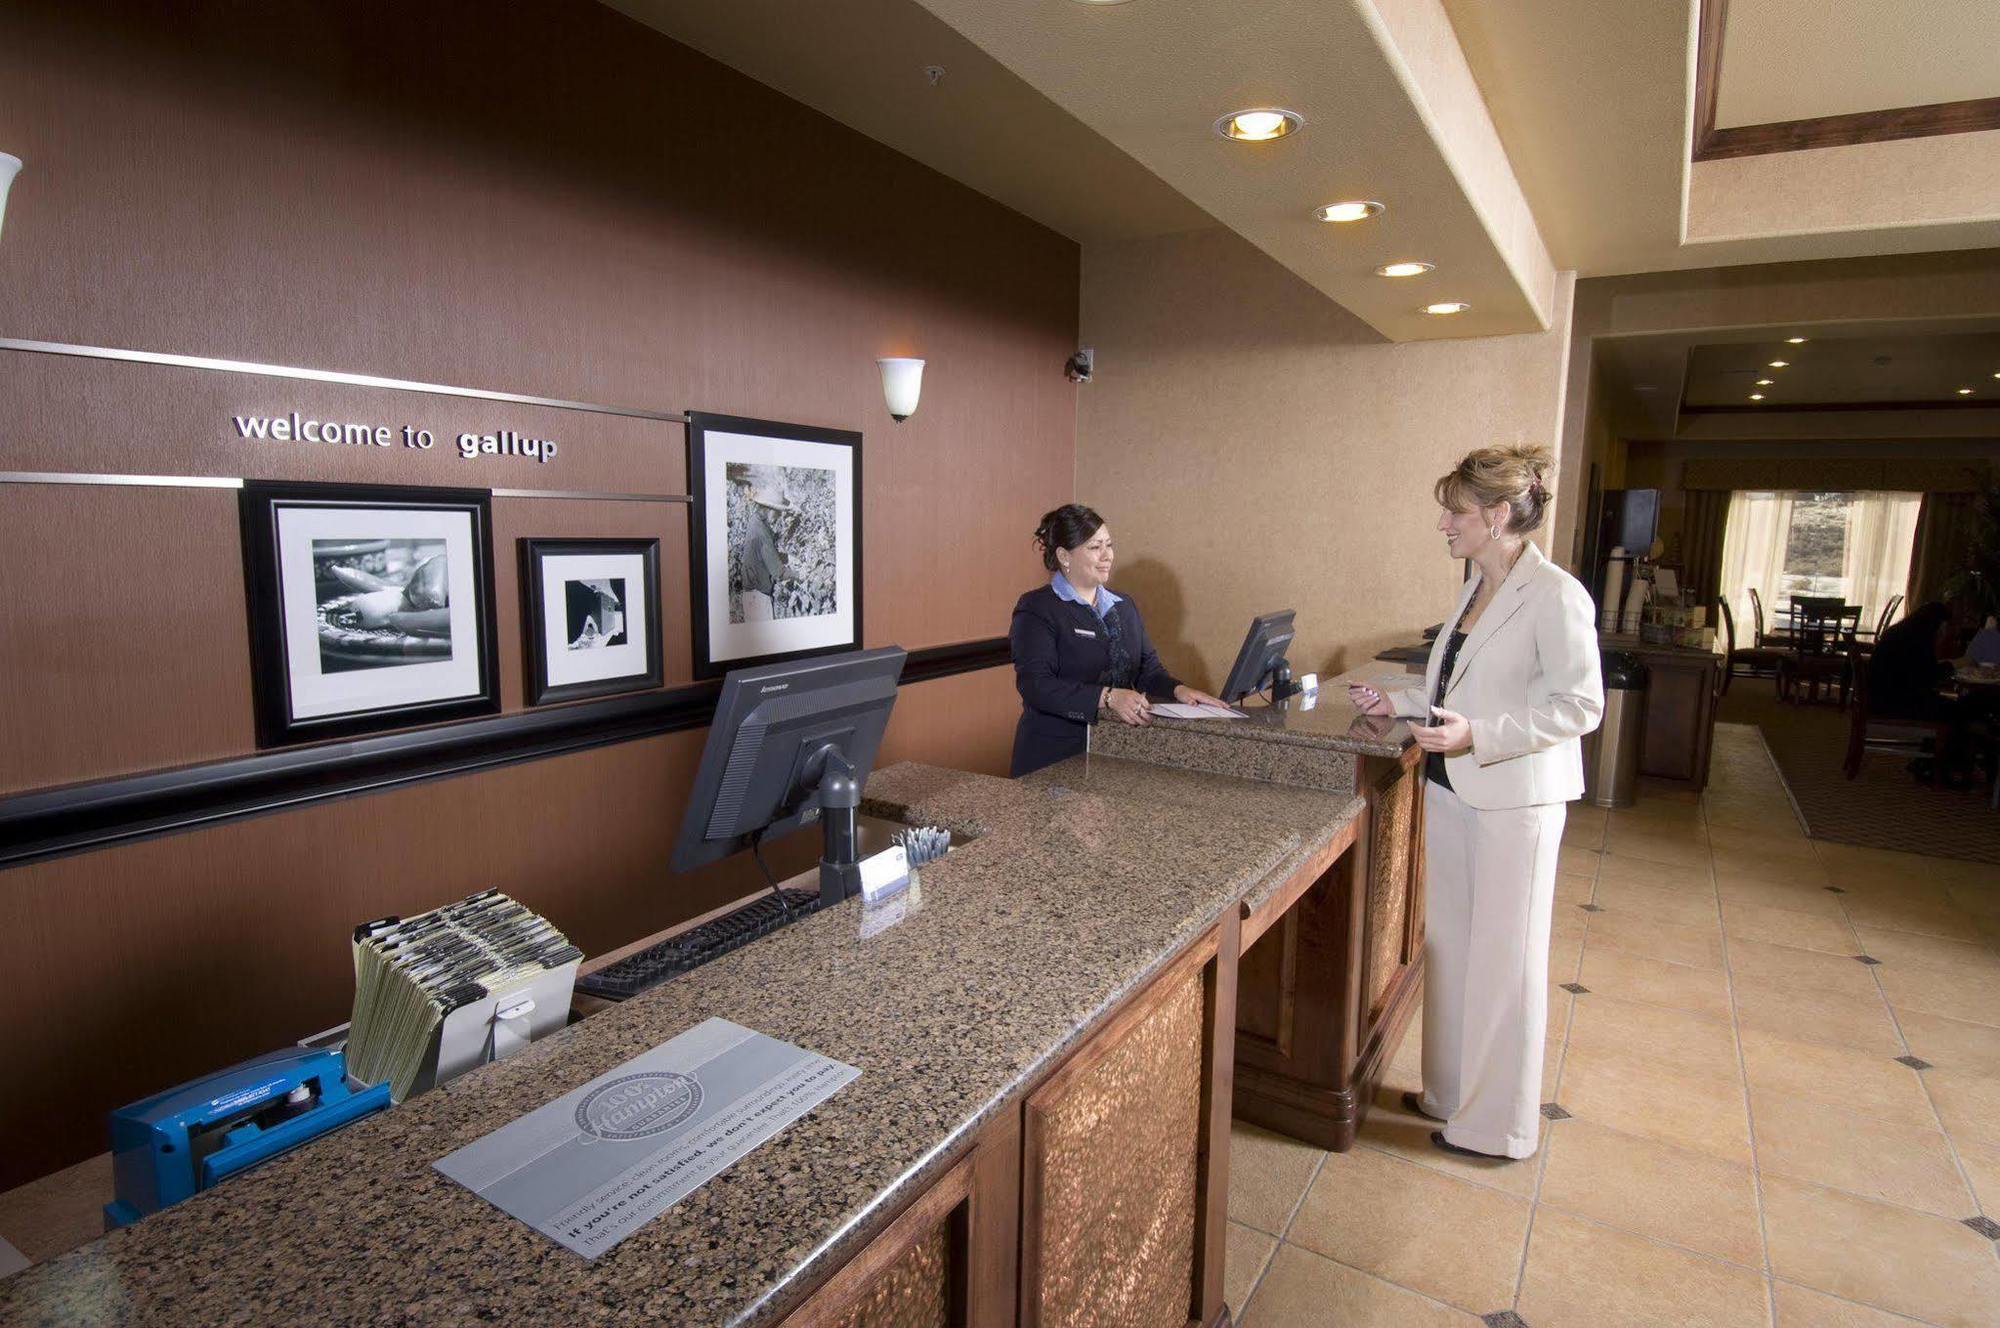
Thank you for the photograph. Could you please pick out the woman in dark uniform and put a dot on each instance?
(1079, 650)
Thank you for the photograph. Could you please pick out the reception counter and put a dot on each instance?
(1049, 1046)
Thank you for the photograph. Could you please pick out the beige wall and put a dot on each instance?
(1253, 446)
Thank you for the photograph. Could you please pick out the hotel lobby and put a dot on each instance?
(577, 746)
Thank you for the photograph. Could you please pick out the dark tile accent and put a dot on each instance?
(1866, 959)
(1834, 890)
(1555, 1111)
(1588, 908)
(1985, 1226)
(1915, 1062)
(1576, 989)
(1503, 1319)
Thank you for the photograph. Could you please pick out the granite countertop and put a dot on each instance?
(1328, 724)
(1083, 883)
(1636, 646)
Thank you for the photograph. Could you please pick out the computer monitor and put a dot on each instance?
(1261, 659)
(791, 743)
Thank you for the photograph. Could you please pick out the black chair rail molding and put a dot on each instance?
(77, 818)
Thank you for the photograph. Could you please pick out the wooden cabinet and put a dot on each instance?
(1327, 986)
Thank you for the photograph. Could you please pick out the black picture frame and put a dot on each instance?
(709, 507)
(280, 722)
(534, 554)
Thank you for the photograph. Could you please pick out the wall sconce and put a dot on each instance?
(10, 166)
(902, 384)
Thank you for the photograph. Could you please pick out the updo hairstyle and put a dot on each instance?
(1067, 527)
(1512, 473)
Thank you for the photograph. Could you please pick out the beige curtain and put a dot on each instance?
(1753, 555)
(1701, 543)
(1944, 534)
(1881, 537)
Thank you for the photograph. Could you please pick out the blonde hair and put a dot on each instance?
(1513, 473)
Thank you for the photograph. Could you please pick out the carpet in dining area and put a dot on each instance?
(1884, 806)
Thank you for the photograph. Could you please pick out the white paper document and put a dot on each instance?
(598, 1163)
(1175, 710)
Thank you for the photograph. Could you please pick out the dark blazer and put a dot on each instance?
(1061, 663)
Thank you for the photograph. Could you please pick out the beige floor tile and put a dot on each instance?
(1583, 834)
(1673, 1040)
(1982, 1168)
(1395, 1130)
(1910, 949)
(1669, 850)
(1654, 1189)
(1952, 1044)
(1962, 994)
(1697, 947)
(1893, 1258)
(1919, 886)
(1790, 966)
(1684, 907)
(1574, 861)
(1857, 1081)
(1968, 1104)
(1779, 926)
(1665, 874)
(1813, 899)
(1565, 953)
(1633, 977)
(1980, 900)
(1249, 1251)
(1574, 890)
(1630, 1092)
(1419, 1228)
(1583, 1275)
(1806, 1015)
(1946, 920)
(1799, 1307)
(1568, 921)
(1267, 1175)
(1810, 1141)
(1783, 840)
(1304, 1290)
(1779, 867)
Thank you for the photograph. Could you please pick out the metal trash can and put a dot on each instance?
(1611, 754)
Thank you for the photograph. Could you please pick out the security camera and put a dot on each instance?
(1077, 368)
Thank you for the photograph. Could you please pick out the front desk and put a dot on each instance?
(1051, 1039)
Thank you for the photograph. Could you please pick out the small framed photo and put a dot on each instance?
(593, 617)
(775, 535)
(371, 607)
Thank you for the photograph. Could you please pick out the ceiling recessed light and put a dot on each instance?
(1359, 210)
(1765, 382)
(1410, 269)
(1965, 391)
(1795, 341)
(1779, 364)
(1447, 307)
(1259, 125)
(1756, 396)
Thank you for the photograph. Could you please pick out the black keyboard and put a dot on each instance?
(676, 955)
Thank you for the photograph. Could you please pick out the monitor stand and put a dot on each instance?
(1282, 686)
(839, 798)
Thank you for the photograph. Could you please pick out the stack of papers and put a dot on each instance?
(1175, 710)
(410, 973)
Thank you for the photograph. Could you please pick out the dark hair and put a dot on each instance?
(1067, 527)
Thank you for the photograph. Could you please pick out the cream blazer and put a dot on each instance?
(1527, 678)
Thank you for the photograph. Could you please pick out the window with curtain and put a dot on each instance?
(1853, 545)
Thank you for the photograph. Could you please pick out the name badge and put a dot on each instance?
(1083, 632)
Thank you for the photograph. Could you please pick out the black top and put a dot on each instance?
(1064, 656)
(1904, 672)
(1434, 761)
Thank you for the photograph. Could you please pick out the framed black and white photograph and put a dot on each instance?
(592, 615)
(371, 607)
(776, 541)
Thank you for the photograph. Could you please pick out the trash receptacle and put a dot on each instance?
(1611, 754)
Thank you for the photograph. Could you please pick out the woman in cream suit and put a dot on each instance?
(1512, 687)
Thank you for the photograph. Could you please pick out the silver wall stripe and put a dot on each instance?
(326, 376)
(137, 481)
(231, 482)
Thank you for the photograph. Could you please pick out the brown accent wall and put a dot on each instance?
(540, 197)
(1253, 446)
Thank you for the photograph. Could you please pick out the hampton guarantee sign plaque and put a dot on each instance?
(296, 428)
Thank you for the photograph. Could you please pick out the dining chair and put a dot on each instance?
(1882, 733)
(1748, 661)
(1819, 650)
(1763, 637)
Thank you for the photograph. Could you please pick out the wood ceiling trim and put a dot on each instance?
(1824, 131)
(1811, 407)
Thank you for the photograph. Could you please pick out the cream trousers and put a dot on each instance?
(1489, 888)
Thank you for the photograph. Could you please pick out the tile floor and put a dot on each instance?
(1742, 1143)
